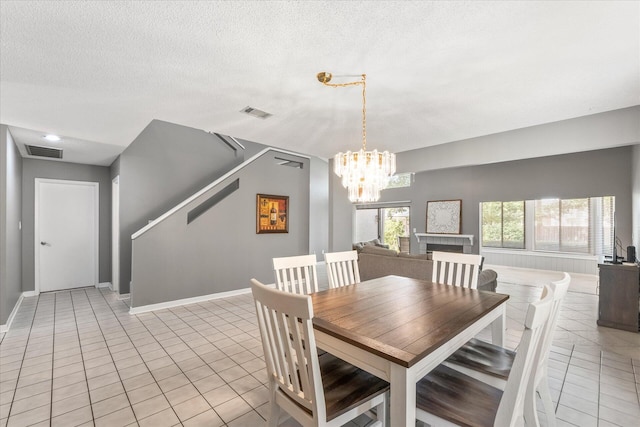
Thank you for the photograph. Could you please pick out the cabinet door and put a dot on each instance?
(618, 302)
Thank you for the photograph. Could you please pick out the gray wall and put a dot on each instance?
(636, 197)
(593, 173)
(604, 130)
(318, 208)
(34, 168)
(10, 216)
(220, 250)
(163, 166)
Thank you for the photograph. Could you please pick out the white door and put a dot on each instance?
(66, 232)
(115, 234)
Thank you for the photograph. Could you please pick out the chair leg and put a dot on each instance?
(274, 409)
(530, 413)
(545, 396)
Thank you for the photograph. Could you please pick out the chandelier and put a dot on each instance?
(364, 173)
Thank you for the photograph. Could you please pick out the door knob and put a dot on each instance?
(44, 244)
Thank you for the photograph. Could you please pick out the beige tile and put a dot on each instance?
(173, 382)
(106, 392)
(219, 395)
(181, 394)
(30, 417)
(150, 406)
(138, 381)
(143, 393)
(160, 419)
(109, 405)
(103, 380)
(73, 418)
(232, 409)
(207, 419)
(30, 403)
(192, 407)
(121, 417)
(209, 383)
(70, 390)
(69, 404)
(32, 390)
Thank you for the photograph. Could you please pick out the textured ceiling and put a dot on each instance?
(98, 72)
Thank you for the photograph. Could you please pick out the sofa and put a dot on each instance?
(374, 261)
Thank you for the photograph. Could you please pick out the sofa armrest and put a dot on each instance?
(488, 280)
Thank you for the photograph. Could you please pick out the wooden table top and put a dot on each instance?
(399, 318)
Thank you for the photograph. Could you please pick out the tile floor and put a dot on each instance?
(78, 358)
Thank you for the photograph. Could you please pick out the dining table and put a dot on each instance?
(399, 329)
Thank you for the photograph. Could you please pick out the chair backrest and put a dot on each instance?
(456, 269)
(296, 274)
(512, 403)
(403, 244)
(342, 268)
(559, 289)
(289, 345)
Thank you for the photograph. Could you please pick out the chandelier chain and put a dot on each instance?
(363, 82)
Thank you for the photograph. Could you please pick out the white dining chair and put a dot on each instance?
(342, 268)
(456, 269)
(314, 390)
(296, 274)
(446, 396)
(492, 364)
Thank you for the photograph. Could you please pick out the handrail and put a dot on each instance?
(209, 187)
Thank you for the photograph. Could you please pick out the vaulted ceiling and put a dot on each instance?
(97, 72)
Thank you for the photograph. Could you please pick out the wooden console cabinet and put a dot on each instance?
(619, 293)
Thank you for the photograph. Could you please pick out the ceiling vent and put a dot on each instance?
(256, 113)
(53, 153)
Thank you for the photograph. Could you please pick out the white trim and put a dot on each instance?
(209, 187)
(105, 285)
(36, 220)
(5, 328)
(524, 252)
(185, 301)
(30, 294)
(115, 234)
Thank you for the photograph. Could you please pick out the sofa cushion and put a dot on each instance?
(415, 256)
(375, 242)
(370, 249)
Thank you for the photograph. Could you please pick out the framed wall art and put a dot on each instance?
(272, 214)
(444, 216)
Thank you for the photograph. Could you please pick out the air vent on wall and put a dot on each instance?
(256, 113)
(290, 163)
(53, 153)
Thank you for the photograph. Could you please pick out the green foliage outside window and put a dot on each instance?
(503, 224)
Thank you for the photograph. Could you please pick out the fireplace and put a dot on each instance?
(460, 243)
(445, 248)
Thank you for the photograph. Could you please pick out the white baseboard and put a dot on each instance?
(4, 328)
(30, 294)
(185, 301)
(105, 285)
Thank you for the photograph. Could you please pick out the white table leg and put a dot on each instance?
(498, 327)
(402, 397)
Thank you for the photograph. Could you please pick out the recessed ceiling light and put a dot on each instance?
(52, 138)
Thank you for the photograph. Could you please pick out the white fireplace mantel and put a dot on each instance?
(464, 240)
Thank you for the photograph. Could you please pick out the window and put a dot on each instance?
(580, 226)
(399, 180)
(503, 224)
(562, 225)
(395, 223)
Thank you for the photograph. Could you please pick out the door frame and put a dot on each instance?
(36, 220)
(115, 234)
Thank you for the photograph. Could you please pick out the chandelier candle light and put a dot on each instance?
(364, 173)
